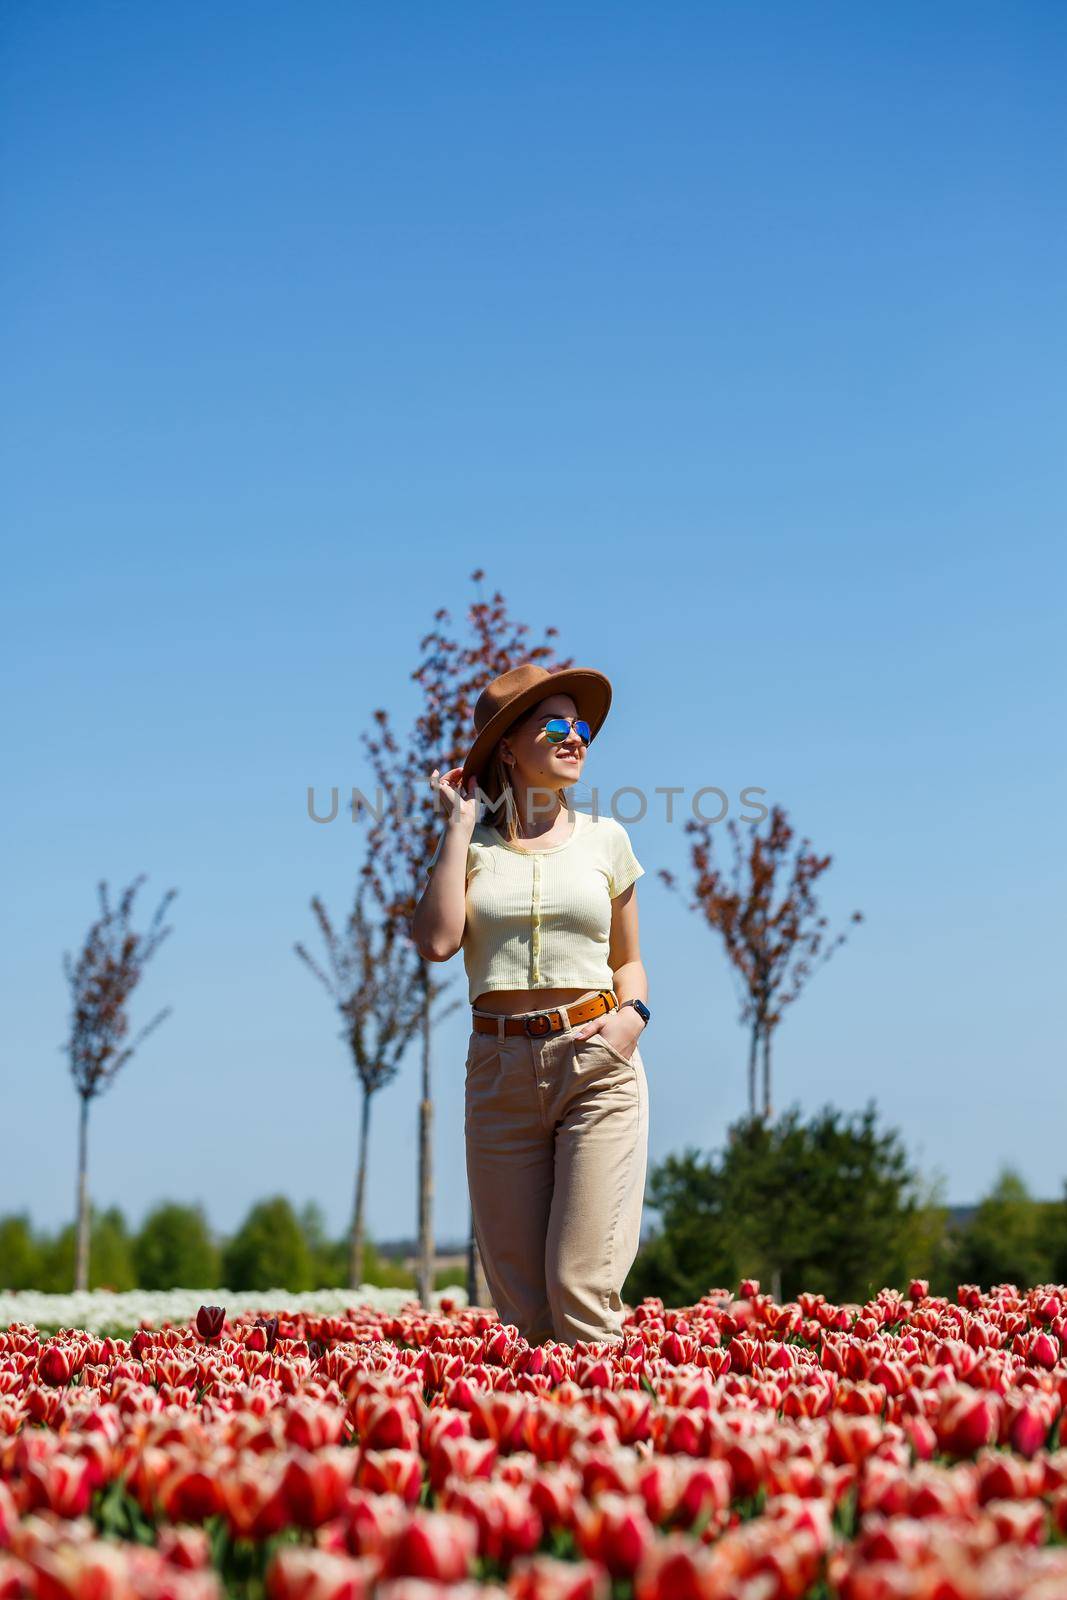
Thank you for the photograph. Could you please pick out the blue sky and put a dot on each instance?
(729, 340)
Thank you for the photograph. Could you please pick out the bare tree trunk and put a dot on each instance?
(355, 1253)
(753, 1046)
(767, 1073)
(477, 1288)
(425, 1253)
(81, 1261)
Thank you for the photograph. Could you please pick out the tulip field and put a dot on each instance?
(734, 1449)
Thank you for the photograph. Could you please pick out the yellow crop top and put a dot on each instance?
(541, 919)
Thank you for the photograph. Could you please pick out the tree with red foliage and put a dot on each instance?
(773, 943)
(108, 969)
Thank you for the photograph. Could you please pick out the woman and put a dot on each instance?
(541, 899)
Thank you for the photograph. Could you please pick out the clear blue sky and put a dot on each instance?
(729, 339)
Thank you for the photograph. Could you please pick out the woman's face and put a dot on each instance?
(538, 763)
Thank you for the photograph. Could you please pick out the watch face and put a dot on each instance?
(642, 1010)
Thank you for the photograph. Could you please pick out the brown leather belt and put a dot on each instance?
(539, 1023)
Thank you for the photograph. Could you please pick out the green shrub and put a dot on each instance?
(174, 1249)
(831, 1205)
(269, 1250)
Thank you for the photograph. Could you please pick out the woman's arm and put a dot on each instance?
(439, 918)
(629, 979)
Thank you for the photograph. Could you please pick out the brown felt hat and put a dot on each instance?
(519, 690)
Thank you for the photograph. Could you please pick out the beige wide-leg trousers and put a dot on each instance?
(557, 1142)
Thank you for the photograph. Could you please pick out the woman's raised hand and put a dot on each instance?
(463, 806)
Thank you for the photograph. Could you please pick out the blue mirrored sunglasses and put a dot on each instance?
(556, 729)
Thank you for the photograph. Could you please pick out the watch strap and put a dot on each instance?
(640, 1007)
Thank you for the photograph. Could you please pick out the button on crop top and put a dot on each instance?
(541, 919)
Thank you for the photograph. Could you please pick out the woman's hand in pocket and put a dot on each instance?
(621, 1029)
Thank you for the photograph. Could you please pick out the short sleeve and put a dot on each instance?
(433, 859)
(625, 867)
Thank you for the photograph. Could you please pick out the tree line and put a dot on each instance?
(830, 1204)
(275, 1245)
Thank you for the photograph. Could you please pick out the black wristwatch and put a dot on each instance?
(639, 1006)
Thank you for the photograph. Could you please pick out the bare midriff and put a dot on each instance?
(502, 1002)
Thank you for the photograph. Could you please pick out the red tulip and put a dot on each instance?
(675, 1568)
(311, 1426)
(615, 1531)
(656, 1478)
(270, 1330)
(190, 1492)
(967, 1420)
(392, 1472)
(62, 1483)
(793, 1561)
(943, 1491)
(372, 1521)
(385, 1421)
(852, 1439)
(554, 1492)
(921, 1436)
(299, 1574)
(506, 1522)
(315, 1485)
(55, 1365)
(677, 1431)
(1004, 1477)
(462, 1457)
(1029, 1429)
(253, 1502)
(1044, 1350)
(185, 1547)
(545, 1577)
(1017, 1522)
(706, 1488)
(499, 1416)
(209, 1321)
(433, 1544)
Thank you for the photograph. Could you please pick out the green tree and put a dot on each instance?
(1004, 1241)
(20, 1253)
(269, 1250)
(691, 1253)
(110, 1255)
(331, 1258)
(831, 1205)
(929, 1251)
(174, 1249)
(327, 1256)
(1055, 1225)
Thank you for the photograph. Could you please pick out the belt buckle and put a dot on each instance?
(537, 1016)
